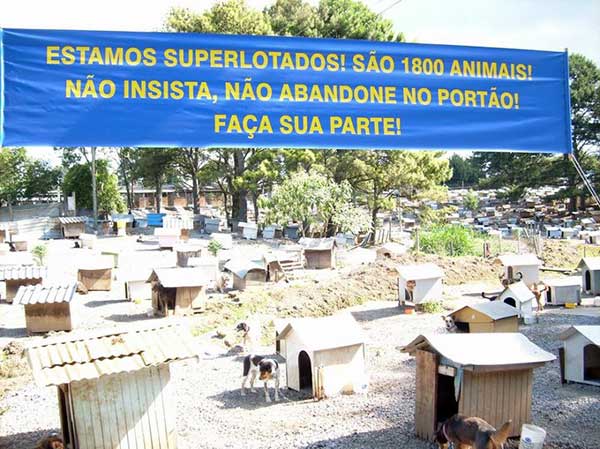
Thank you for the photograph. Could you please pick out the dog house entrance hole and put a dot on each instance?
(591, 362)
(510, 301)
(461, 326)
(446, 403)
(549, 295)
(588, 281)
(305, 371)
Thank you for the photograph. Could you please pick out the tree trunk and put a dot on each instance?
(158, 195)
(128, 190)
(10, 209)
(195, 194)
(255, 204)
(94, 189)
(582, 198)
(225, 203)
(239, 212)
(374, 213)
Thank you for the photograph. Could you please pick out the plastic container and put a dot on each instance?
(532, 437)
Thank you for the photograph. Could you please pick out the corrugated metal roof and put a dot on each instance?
(570, 281)
(511, 260)
(496, 310)
(22, 272)
(39, 294)
(317, 334)
(422, 271)
(592, 333)
(180, 277)
(593, 263)
(71, 220)
(64, 359)
(324, 244)
(241, 267)
(482, 349)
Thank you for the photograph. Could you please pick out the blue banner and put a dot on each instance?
(94, 88)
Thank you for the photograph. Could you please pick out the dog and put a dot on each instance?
(52, 441)
(250, 334)
(537, 292)
(470, 432)
(450, 324)
(266, 369)
(221, 283)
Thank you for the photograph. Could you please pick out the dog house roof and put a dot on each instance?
(38, 294)
(592, 333)
(571, 281)
(71, 220)
(311, 244)
(422, 271)
(496, 310)
(167, 232)
(179, 277)
(317, 334)
(483, 350)
(593, 263)
(519, 291)
(22, 272)
(97, 263)
(64, 359)
(241, 267)
(511, 260)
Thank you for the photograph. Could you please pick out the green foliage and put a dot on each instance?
(39, 253)
(214, 246)
(79, 180)
(471, 201)
(448, 240)
(294, 18)
(465, 171)
(432, 307)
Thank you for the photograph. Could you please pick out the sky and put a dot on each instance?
(531, 24)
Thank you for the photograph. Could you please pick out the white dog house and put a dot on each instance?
(520, 297)
(325, 356)
(167, 237)
(526, 264)
(419, 283)
(580, 355)
(563, 290)
(590, 274)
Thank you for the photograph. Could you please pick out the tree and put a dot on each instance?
(127, 161)
(79, 180)
(13, 167)
(189, 163)
(465, 171)
(155, 166)
(471, 201)
(294, 18)
(41, 179)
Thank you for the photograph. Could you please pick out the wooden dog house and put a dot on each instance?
(246, 273)
(590, 275)
(114, 386)
(419, 283)
(580, 356)
(47, 308)
(324, 356)
(520, 297)
(72, 227)
(489, 375)
(319, 253)
(493, 316)
(286, 263)
(526, 264)
(17, 276)
(563, 290)
(177, 291)
(96, 273)
(185, 251)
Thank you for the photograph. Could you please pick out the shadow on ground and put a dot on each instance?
(25, 440)
(104, 302)
(376, 314)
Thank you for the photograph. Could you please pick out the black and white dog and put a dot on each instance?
(250, 335)
(266, 369)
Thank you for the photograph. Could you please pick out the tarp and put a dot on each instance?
(86, 88)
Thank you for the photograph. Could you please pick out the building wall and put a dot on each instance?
(574, 357)
(48, 317)
(564, 294)
(319, 259)
(425, 290)
(531, 273)
(497, 397)
(510, 324)
(342, 368)
(188, 298)
(96, 280)
(126, 411)
(291, 348)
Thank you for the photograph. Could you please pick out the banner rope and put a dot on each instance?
(585, 179)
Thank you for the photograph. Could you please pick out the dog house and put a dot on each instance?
(590, 275)
(567, 233)
(15, 277)
(526, 264)
(552, 232)
(19, 243)
(419, 283)
(246, 273)
(96, 272)
(489, 375)
(319, 253)
(184, 252)
(249, 230)
(520, 297)
(4, 232)
(284, 263)
(72, 227)
(47, 308)
(493, 316)
(563, 290)
(167, 237)
(390, 250)
(114, 386)
(177, 291)
(580, 355)
(324, 356)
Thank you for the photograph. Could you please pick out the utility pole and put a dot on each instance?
(94, 191)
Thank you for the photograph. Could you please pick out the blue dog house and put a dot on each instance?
(155, 219)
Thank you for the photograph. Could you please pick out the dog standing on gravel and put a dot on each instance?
(464, 432)
(250, 335)
(52, 441)
(266, 369)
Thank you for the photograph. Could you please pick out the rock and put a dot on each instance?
(237, 349)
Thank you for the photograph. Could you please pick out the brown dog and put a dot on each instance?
(464, 432)
(51, 442)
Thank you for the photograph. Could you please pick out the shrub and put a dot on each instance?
(432, 307)
(39, 253)
(214, 247)
(448, 240)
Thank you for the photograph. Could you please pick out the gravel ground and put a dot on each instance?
(212, 414)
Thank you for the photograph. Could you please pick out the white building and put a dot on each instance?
(563, 290)
(520, 297)
(581, 356)
(324, 355)
(526, 264)
(419, 283)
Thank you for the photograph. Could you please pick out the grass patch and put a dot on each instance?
(432, 307)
